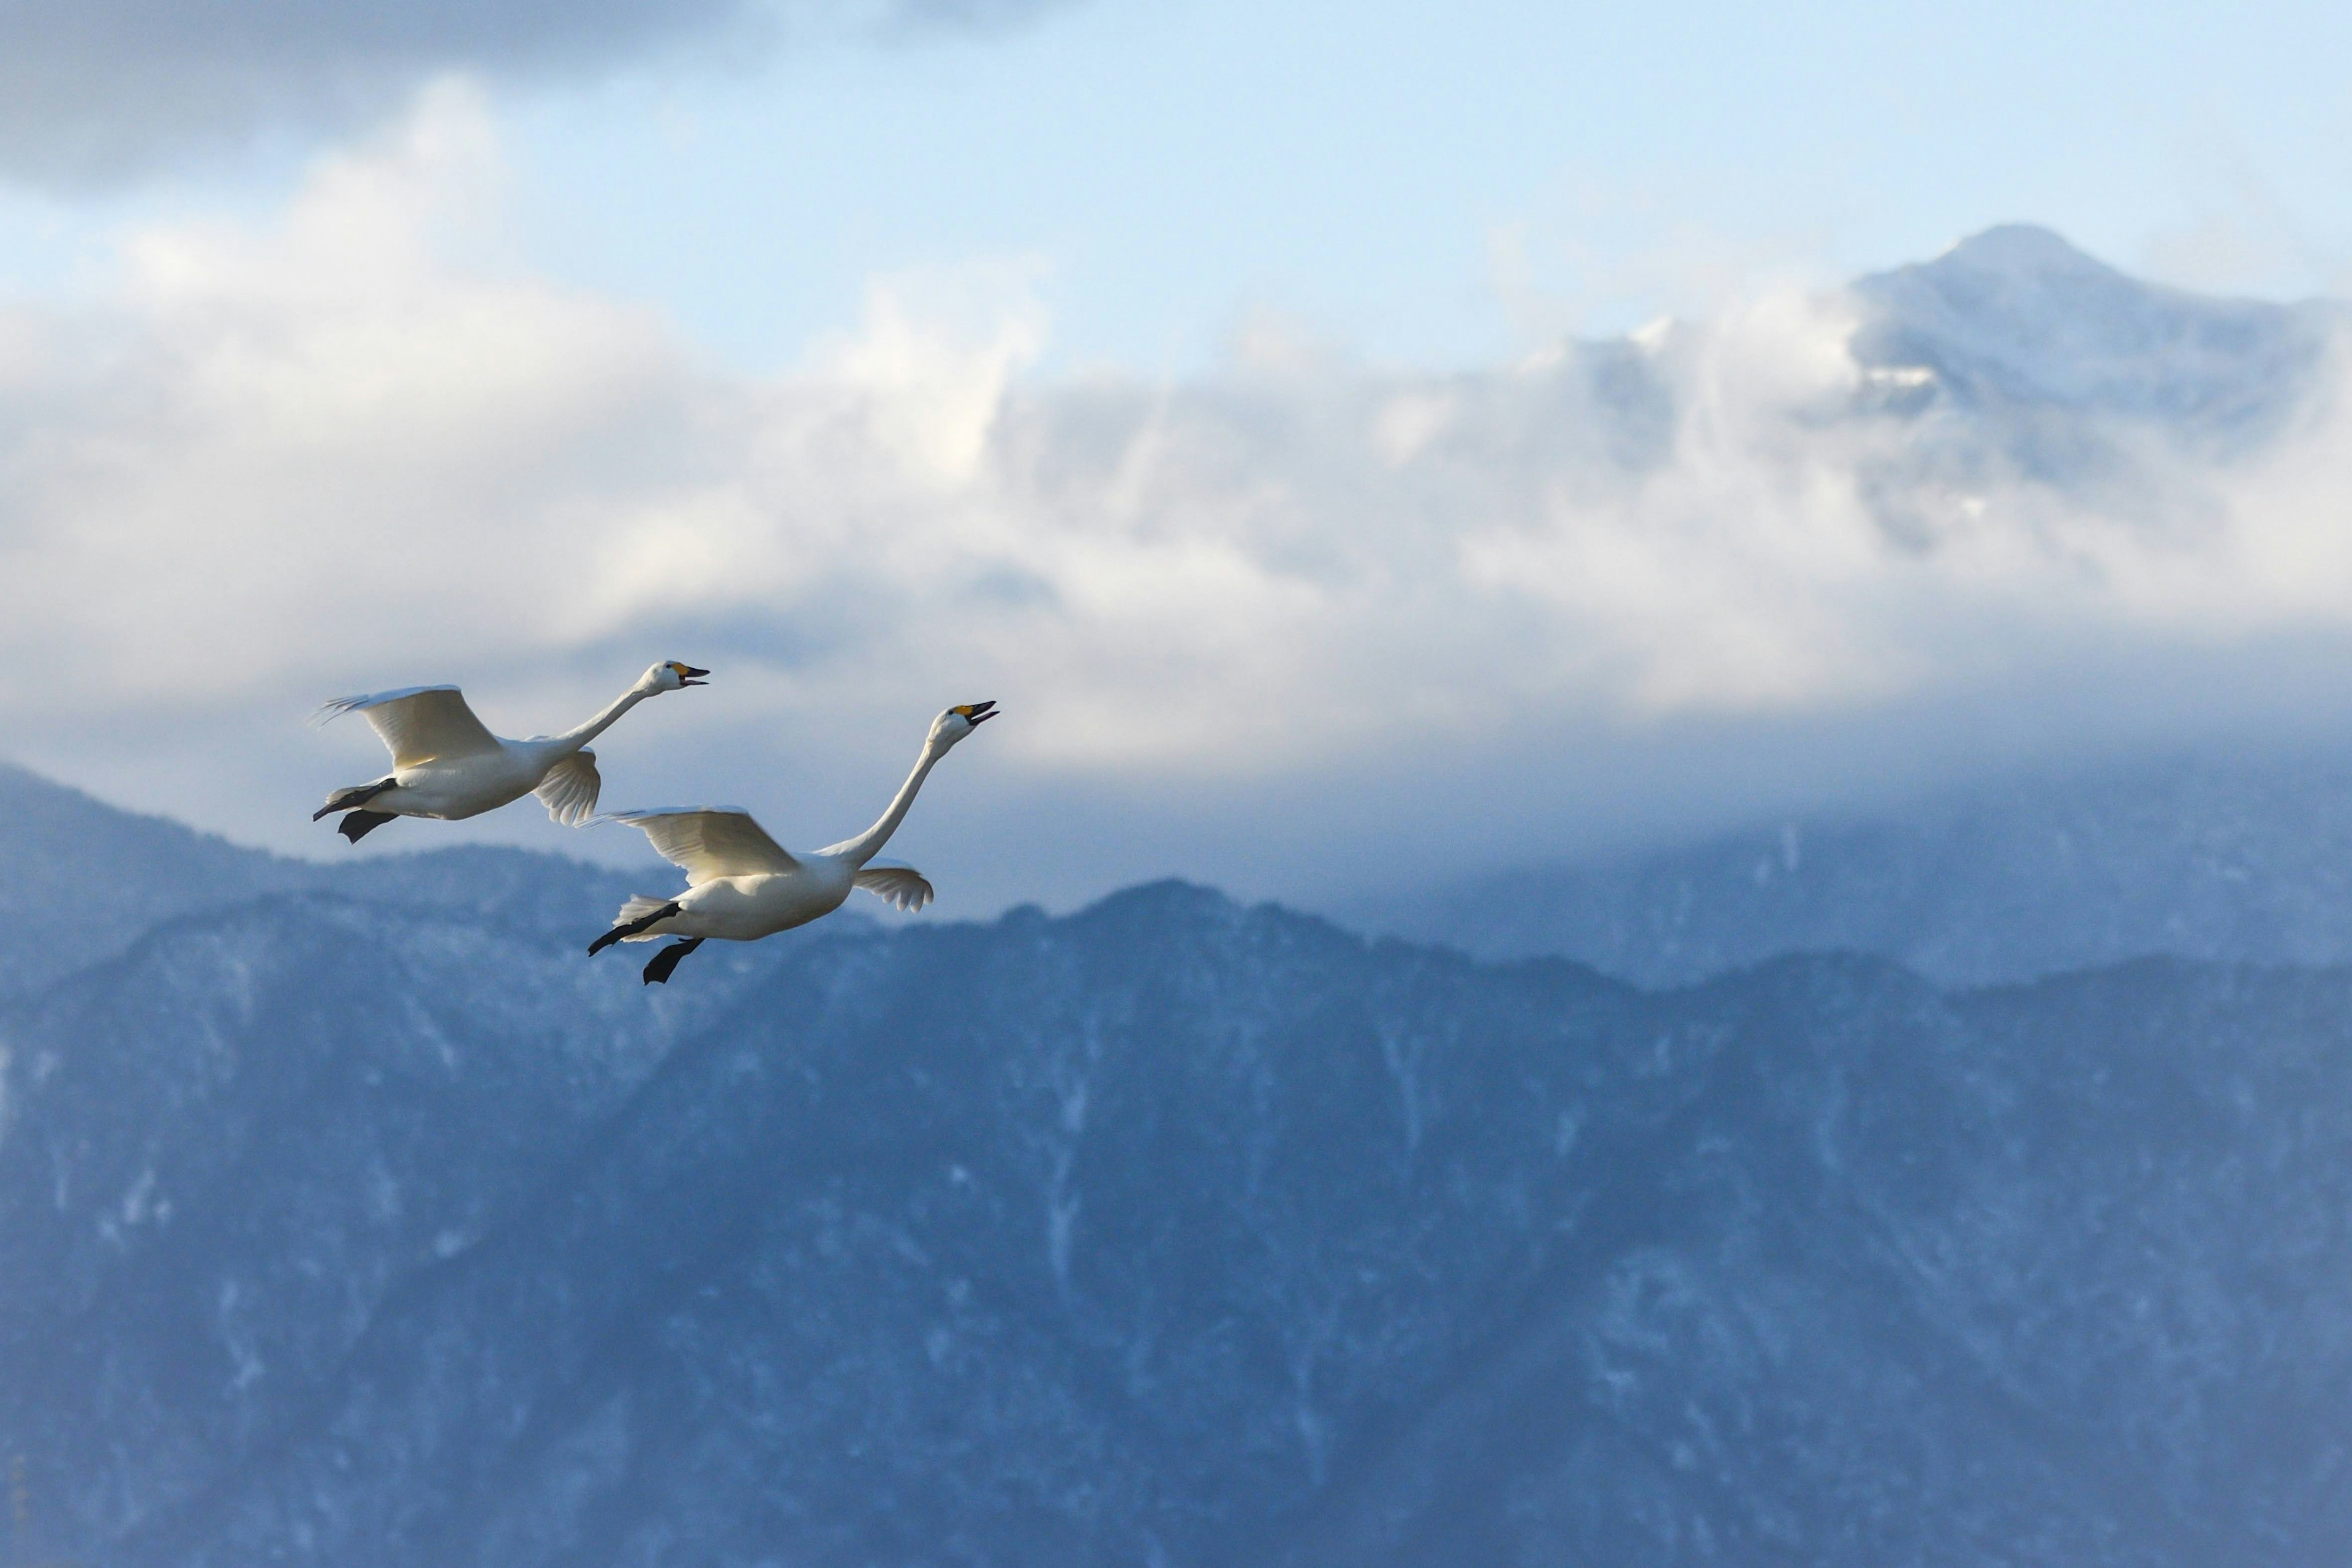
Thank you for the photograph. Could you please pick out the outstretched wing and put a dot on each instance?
(417, 723)
(570, 789)
(900, 887)
(709, 841)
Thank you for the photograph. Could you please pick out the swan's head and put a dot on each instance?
(959, 721)
(671, 676)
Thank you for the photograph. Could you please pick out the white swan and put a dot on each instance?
(445, 764)
(742, 885)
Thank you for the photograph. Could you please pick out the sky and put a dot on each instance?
(1201, 381)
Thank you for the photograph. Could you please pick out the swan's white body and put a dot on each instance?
(742, 885)
(446, 764)
(756, 888)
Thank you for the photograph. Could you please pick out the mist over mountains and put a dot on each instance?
(2015, 319)
(2010, 502)
(1947, 1180)
(355, 1222)
(2238, 859)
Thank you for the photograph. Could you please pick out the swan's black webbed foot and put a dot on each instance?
(658, 971)
(628, 928)
(360, 824)
(358, 795)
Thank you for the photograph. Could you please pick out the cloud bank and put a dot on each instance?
(1304, 622)
(103, 89)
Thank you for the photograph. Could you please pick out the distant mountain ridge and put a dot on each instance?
(94, 879)
(84, 879)
(2245, 859)
(2014, 358)
(2241, 858)
(2016, 317)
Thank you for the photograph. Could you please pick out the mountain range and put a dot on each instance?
(95, 879)
(2242, 858)
(369, 1225)
(1951, 1185)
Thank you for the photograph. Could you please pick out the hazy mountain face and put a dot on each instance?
(83, 879)
(86, 881)
(2248, 858)
(343, 1233)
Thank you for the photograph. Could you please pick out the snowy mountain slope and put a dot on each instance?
(1170, 1231)
(2014, 366)
(2016, 317)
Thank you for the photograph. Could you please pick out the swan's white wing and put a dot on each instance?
(570, 789)
(418, 723)
(900, 887)
(709, 841)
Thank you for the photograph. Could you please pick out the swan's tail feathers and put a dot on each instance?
(345, 799)
(639, 906)
(570, 790)
(660, 966)
(629, 925)
(360, 824)
(900, 887)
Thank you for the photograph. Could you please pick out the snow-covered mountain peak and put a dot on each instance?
(2016, 318)
(2019, 250)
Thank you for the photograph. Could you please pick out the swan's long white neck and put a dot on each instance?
(868, 844)
(573, 739)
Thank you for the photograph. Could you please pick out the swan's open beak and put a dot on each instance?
(686, 674)
(977, 713)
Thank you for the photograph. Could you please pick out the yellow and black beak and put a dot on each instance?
(976, 713)
(686, 672)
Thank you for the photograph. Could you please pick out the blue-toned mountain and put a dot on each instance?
(340, 1232)
(87, 879)
(2239, 858)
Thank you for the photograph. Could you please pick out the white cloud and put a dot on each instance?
(1247, 628)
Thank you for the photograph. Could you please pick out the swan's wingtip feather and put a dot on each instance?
(335, 708)
(642, 814)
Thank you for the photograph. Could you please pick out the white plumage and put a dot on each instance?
(446, 764)
(418, 724)
(710, 841)
(570, 790)
(900, 887)
(742, 885)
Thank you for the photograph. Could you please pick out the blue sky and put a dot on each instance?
(1186, 377)
(1395, 174)
(1438, 186)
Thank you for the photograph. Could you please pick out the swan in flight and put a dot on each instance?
(445, 764)
(742, 885)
